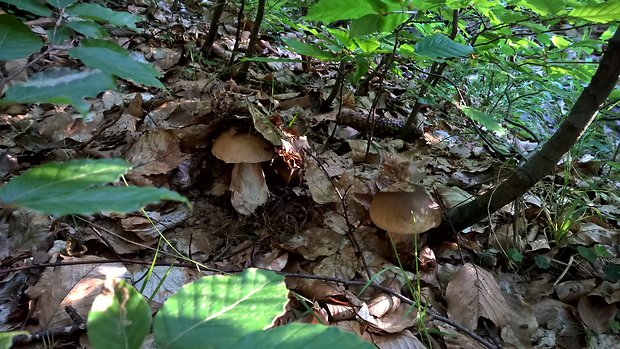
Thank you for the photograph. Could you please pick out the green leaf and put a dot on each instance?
(297, 335)
(374, 23)
(587, 253)
(612, 272)
(123, 199)
(16, 39)
(115, 60)
(60, 4)
(32, 6)
(6, 338)
(544, 7)
(441, 46)
(120, 318)
(71, 188)
(514, 255)
(57, 176)
(542, 262)
(216, 311)
(333, 10)
(483, 119)
(61, 86)
(309, 50)
(604, 12)
(104, 15)
(59, 35)
(88, 28)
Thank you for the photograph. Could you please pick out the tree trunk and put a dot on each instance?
(543, 162)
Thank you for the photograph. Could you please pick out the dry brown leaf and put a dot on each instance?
(522, 325)
(70, 285)
(473, 293)
(398, 320)
(163, 282)
(314, 242)
(401, 340)
(456, 340)
(596, 313)
(155, 152)
(556, 316)
(571, 291)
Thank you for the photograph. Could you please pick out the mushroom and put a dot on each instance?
(405, 212)
(247, 183)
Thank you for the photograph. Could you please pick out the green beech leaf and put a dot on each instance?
(374, 23)
(74, 187)
(216, 311)
(6, 338)
(59, 35)
(441, 46)
(16, 39)
(309, 50)
(88, 28)
(115, 60)
(333, 10)
(104, 15)
(483, 119)
(32, 6)
(60, 4)
(297, 335)
(545, 7)
(120, 317)
(61, 86)
(604, 12)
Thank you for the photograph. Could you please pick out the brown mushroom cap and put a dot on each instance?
(235, 147)
(405, 212)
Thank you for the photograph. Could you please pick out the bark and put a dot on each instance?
(543, 162)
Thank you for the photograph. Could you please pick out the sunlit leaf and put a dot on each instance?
(309, 50)
(334, 10)
(441, 46)
(604, 12)
(74, 187)
(120, 317)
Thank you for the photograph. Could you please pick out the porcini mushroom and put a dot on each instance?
(405, 212)
(247, 184)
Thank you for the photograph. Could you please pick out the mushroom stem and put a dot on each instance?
(248, 187)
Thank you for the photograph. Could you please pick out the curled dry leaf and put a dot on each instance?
(401, 340)
(596, 313)
(70, 285)
(156, 152)
(473, 293)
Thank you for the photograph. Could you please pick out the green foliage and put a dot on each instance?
(6, 338)
(441, 46)
(120, 317)
(61, 86)
(76, 187)
(591, 254)
(71, 86)
(542, 262)
(212, 312)
(514, 255)
(17, 40)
